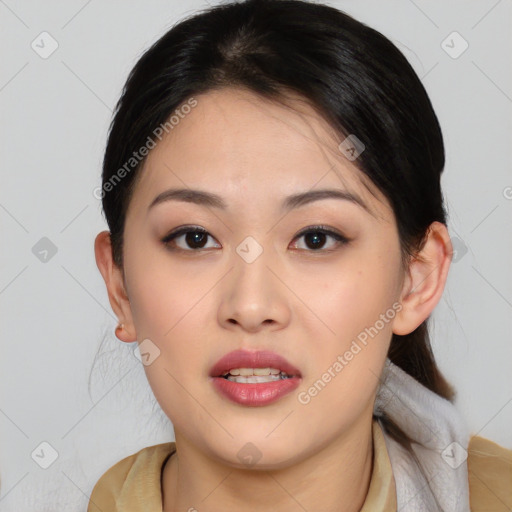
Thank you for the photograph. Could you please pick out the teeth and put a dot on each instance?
(246, 372)
(266, 371)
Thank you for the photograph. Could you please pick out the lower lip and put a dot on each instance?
(255, 394)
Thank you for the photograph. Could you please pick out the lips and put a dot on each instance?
(248, 359)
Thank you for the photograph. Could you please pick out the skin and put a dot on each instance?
(304, 303)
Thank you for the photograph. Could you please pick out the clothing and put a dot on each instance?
(133, 484)
(482, 482)
(438, 479)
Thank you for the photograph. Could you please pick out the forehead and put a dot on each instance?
(234, 142)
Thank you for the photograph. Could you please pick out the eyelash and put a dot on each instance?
(340, 239)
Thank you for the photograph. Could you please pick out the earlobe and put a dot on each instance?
(425, 280)
(113, 277)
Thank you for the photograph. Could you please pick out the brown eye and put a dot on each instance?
(316, 237)
(187, 239)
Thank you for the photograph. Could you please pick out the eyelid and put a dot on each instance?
(182, 230)
(321, 227)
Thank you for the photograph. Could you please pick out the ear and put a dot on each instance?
(425, 280)
(114, 279)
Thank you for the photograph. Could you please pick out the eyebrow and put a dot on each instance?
(211, 200)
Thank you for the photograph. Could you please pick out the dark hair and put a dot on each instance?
(350, 73)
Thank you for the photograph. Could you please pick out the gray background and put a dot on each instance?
(55, 313)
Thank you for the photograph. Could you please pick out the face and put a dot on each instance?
(321, 297)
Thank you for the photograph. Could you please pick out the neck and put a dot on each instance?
(335, 478)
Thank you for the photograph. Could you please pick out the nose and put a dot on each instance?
(254, 296)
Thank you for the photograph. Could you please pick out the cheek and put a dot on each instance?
(163, 296)
(356, 307)
(170, 307)
(344, 367)
(351, 295)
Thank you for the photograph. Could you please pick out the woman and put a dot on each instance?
(277, 242)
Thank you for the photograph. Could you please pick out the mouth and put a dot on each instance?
(247, 364)
(254, 378)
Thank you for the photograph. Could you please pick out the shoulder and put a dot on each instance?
(490, 475)
(139, 470)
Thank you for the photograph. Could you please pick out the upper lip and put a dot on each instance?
(255, 359)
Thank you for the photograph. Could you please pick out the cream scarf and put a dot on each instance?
(440, 443)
